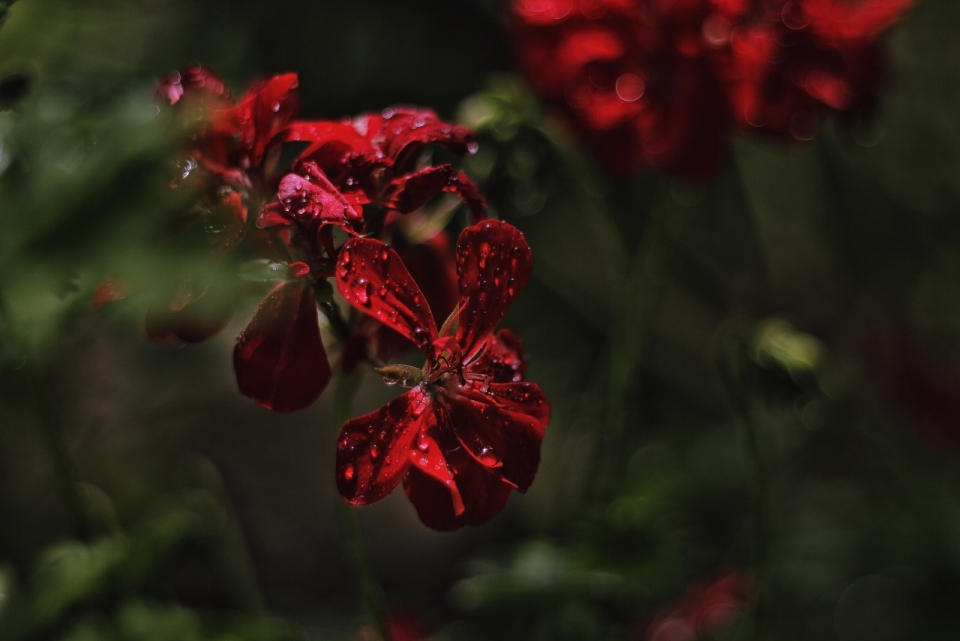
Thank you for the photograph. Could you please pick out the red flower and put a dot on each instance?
(373, 158)
(705, 606)
(634, 77)
(791, 61)
(660, 83)
(468, 431)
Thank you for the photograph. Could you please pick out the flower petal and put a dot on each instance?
(372, 278)
(503, 361)
(279, 359)
(264, 110)
(501, 426)
(373, 450)
(191, 81)
(404, 130)
(412, 191)
(493, 264)
(469, 193)
(484, 494)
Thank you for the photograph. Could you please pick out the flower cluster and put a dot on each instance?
(360, 205)
(661, 83)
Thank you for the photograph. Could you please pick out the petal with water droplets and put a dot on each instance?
(373, 450)
(372, 278)
(502, 427)
(410, 192)
(482, 494)
(279, 358)
(503, 361)
(493, 265)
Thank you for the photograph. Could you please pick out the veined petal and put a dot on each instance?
(373, 451)
(279, 359)
(264, 110)
(372, 278)
(503, 360)
(412, 191)
(484, 494)
(493, 265)
(501, 426)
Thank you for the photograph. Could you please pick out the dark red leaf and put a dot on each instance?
(493, 265)
(279, 359)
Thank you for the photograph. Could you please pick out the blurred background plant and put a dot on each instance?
(755, 381)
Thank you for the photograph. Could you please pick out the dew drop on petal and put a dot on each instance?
(349, 471)
(487, 456)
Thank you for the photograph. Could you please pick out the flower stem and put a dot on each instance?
(353, 529)
(760, 486)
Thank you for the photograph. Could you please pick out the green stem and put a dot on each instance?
(63, 465)
(353, 529)
(760, 488)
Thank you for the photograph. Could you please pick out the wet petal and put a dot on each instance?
(309, 196)
(373, 451)
(279, 359)
(501, 426)
(483, 494)
(493, 264)
(468, 192)
(372, 278)
(412, 191)
(503, 360)
(404, 130)
(264, 110)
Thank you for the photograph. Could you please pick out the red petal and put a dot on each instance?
(373, 450)
(264, 110)
(410, 192)
(279, 358)
(483, 494)
(503, 361)
(404, 130)
(493, 264)
(372, 278)
(191, 81)
(501, 426)
(308, 195)
(468, 192)
(324, 132)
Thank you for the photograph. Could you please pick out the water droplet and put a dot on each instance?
(630, 87)
(349, 471)
(472, 147)
(361, 289)
(487, 456)
(385, 255)
(374, 451)
(423, 443)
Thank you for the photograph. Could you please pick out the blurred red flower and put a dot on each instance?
(661, 83)
(705, 606)
(469, 430)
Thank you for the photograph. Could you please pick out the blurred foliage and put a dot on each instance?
(759, 374)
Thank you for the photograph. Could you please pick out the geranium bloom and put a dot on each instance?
(373, 158)
(468, 431)
(661, 82)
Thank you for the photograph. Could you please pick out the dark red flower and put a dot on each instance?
(468, 431)
(373, 158)
(791, 61)
(232, 140)
(634, 77)
(661, 82)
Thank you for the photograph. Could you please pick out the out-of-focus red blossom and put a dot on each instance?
(913, 377)
(468, 431)
(705, 606)
(373, 158)
(403, 627)
(660, 83)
